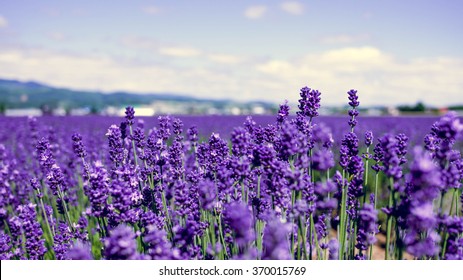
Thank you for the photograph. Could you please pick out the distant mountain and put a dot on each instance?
(17, 94)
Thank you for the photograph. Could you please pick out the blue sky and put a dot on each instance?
(393, 52)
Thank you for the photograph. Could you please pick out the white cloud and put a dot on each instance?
(255, 12)
(151, 10)
(179, 51)
(381, 78)
(110, 74)
(292, 7)
(152, 45)
(3, 22)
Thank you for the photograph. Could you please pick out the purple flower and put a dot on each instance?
(423, 177)
(129, 115)
(431, 143)
(175, 159)
(78, 146)
(184, 238)
(350, 141)
(299, 209)
(309, 102)
(138, 136)
(44, 154)
(378, 156)
(159, 248)
(283, 112)
(34, 243)
(62, 241)
(123, 129)
(116, 150)
(275, 241)
(97, 189)
(333, 249)
(5, 247)
(353, 98)
(55, 179)
(322, 160)
(262, 155)
(448, 127)
(355, 166)
(368, 138)
(322, 134)
(368, 218)
(164, 128)
(241, 141)
(79, 251)
(239, 218)
(422, 246)
(290, 142)
(177, 126)
(193, 134)
(149, 218)
(207, 194)
(353, 121)
(402, 142)
(125, 196)
(393, 151)
(344, 156)
(454, 250)
(421, 238)
(321, 227)
(121, 244)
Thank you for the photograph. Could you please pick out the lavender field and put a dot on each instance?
(225, 187)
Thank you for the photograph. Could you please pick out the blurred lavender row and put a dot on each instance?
(416, 127)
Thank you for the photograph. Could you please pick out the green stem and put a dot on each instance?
(133, 146)
(42, 206)
(342, 219)
(389, 219)
(243, 194)
(456, 203)
(66, 212)
(366, 177)
(303, 239)
(371, 252)
(375, 201)
(376, 189)
(315, 236)
(441, 203)
(444, 247)
(454, 197)
(222, 239)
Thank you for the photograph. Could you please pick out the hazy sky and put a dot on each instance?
(393, 52)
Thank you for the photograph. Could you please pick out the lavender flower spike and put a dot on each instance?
(309, 102)
(283, 112)
(121, 245)
(78, 146)
(129, 115)
(238, 217)
(79, 251)
(276, 246)
(368, 138)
